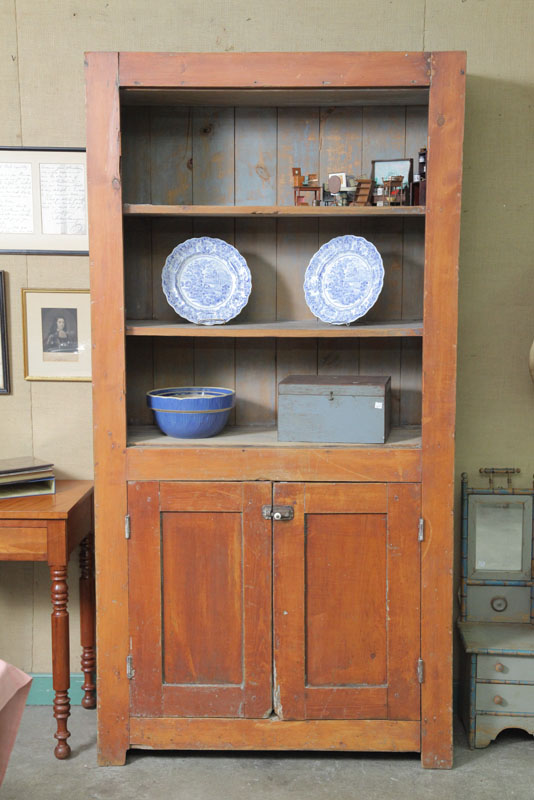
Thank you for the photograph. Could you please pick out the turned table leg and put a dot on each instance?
(87, 620)
(60, 658)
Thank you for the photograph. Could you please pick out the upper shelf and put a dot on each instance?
(149, 210)
(281, 330)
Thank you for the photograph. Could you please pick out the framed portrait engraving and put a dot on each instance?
(43, 200)
(5, 386)
(57, 334)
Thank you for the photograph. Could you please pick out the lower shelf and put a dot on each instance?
(254, 436)
(177, 733)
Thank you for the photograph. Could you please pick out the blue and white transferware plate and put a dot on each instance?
(344, 279)
(206, 281)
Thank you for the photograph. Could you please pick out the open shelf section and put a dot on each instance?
(280, 330)
(256, 436)
(153, 210)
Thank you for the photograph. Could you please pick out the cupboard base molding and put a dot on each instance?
(179, 733)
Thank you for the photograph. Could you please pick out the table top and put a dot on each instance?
(49, 506)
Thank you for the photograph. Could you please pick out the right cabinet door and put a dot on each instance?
(347, 602)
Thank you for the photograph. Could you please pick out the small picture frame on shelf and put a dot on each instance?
(386, 169)
(43, 200)
(57, 334)
(5, 384)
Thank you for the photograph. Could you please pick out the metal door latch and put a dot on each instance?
(278, 513)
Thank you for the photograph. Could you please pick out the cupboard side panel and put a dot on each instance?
(445, 138)
(109, 411)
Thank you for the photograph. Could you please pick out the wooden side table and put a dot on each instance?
(48, 528)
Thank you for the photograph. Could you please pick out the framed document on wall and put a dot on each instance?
(43, 200)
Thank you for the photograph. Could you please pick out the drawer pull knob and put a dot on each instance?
(499, 603)
(499, 667)
(498, 700)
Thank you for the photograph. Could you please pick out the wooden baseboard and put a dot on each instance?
(178, 733)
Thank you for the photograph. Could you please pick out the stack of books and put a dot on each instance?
(22, 477)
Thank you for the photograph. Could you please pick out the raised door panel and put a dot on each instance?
(346, 602)
(200, 599)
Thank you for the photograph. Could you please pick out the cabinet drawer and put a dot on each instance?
(22, 544)
(505, 698)
(498, 603)
(505, 668)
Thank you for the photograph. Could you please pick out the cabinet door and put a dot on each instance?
(346, 602)
(200, 599)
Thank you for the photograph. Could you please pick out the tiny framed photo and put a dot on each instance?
(57, 334)
(43, 200)
(386, 170)
(5, 386)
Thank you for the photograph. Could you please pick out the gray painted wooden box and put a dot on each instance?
(328, 408)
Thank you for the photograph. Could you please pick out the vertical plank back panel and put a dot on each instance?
(410, 382)
(384, 133)
(413, 263)
(256, 241)
(173, 362)
(213, 156)
(340, 138)
(382, 357)
(255, 381)
(296, 244)
(298, 146)
(138, 268)
(135, 151)
(166, 235)
(171, 151)
(255, 156)
(416, 133)
(140, 370)
(386, 235)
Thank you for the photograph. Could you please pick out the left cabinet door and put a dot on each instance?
(200, 599)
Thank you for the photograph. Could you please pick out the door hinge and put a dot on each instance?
(127, 526)
(130, 672)
(278, 513)
(421, 530)
(420, 670)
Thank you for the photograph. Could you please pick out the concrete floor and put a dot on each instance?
(503, 770)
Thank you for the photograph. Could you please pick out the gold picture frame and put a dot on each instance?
(57, 334)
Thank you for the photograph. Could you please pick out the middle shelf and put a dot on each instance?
(276, 329)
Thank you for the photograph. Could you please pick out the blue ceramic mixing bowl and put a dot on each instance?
(191, 412)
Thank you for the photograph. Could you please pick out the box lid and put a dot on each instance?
(354, 385)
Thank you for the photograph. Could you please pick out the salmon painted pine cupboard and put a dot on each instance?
(221, 626)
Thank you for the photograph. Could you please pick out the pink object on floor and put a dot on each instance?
(14, 688)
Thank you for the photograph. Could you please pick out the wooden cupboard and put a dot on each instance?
(221, 625)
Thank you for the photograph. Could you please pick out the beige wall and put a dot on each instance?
(42, 100)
